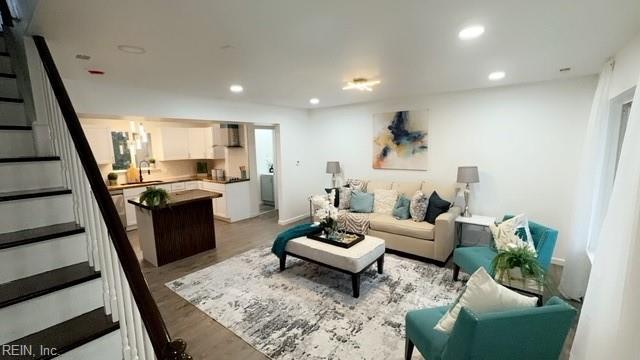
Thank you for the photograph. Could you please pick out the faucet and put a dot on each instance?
(140, 168)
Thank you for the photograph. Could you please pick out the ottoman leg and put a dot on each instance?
(283, 262)
(380, 264)
(355, 281)
(408, 349)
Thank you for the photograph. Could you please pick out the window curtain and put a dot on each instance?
(590, 191)
(609, 322)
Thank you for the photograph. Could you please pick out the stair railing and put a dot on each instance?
(126, 294)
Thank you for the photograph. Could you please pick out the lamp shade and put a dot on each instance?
(333, 167)
(468, 174)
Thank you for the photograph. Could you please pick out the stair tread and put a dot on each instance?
(69, 335)
(30, 194)
(29, 159)
(7, 75)
(29, 236)
(15, 127)
(44, 283)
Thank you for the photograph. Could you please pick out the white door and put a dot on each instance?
(197, 148)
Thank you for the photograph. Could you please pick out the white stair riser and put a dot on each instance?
(16, 143)
(107, 347)
(30, 175)
(12, 114)
(5, 65)
(37, 314)
(31, 259)
(9, 87)
(29, 213)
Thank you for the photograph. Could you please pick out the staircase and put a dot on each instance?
(51, 294)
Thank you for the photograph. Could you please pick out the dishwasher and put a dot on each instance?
(118, 200)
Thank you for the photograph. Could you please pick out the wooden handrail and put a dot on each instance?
(163, 346)
(5, 14)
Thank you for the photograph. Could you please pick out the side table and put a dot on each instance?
(476, 220)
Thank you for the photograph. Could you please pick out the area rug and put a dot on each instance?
(307, 311)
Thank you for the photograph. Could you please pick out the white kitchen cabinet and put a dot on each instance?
(197, 143)
(179, 186)
(101, 144)
(130, 210)
(166, 187)
(192, 185)
(175, 143)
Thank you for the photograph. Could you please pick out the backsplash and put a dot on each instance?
(165, 170)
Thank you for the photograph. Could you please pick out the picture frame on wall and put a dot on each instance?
(400, 140)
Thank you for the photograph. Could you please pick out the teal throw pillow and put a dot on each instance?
(401, 209)
(361, 202)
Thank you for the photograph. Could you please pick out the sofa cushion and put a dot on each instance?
(384, 200)
(407, 188)
(353, 222)
(378, 185)
(437, 206)
(387, 223)
(361, 202)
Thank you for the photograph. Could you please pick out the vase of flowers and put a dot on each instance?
(326, 214)
(517, 262)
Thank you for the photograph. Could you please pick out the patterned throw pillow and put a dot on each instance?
(357, 185)
(384, 201)
(344, 196)
(418, 208)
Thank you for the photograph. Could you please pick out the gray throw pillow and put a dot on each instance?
(418, 208)
(345, 198)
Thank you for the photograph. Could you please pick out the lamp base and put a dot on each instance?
(466, 212)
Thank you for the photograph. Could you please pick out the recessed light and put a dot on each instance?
(471, 32)
(132, 49)
(565, 69)
(236, 88)
(497, 75)
(314, 101)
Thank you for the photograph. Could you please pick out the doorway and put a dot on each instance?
(266, 167)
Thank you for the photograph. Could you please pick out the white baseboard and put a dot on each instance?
(293, 219)
(557, 261)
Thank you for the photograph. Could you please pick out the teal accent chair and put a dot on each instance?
(471, 258)
(535, 333)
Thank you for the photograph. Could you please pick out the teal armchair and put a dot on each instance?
(469, 259)
(536, 333)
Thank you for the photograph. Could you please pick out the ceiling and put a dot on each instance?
(284, 52)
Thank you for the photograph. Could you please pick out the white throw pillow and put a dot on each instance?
(483, 295)
(384, 201)
(504, 234)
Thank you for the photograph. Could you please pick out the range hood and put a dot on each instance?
(230, 135)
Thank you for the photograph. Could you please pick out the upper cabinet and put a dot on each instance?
(175, 143)
(185, 143)
(100, 140)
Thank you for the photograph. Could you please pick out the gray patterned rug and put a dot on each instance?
(307, 311)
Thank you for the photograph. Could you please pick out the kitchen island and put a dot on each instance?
(182, 227)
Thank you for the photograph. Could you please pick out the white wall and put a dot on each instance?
(627, 70)
(98, 99)
(526, 141)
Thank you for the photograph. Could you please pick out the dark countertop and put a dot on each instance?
(161, 182)
(180, 198)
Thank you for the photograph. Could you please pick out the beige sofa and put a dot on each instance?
(419, 239)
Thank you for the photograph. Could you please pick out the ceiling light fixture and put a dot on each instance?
(314, 101)
(361, 84)
(236, 89)
(471, 32)
(132, 49)
(497, 75)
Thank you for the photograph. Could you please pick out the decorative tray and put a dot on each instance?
(348, 241)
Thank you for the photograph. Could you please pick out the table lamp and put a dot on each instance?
(333, 168)
(467, 175)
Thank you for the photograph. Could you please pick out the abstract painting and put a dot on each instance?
(400, 140)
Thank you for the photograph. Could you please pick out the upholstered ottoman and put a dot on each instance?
(353, 261)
